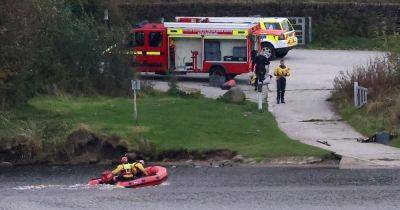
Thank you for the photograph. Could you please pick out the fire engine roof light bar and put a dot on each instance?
(209, 25)
(234, 19)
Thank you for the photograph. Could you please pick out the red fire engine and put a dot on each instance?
(220, 46)
(220, 49)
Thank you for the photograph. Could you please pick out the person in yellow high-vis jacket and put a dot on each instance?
(124, 171)
(281, 72)
(127, 171)
(140, 171)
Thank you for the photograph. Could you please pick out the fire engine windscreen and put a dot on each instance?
(138, 39)
(287, 26)
(155, 39)
(273, 26)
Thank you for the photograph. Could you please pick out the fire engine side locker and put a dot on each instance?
(232, 64)
(221, 50)
(188, 42)
(184, 49)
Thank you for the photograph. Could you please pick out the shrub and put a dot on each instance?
(58, 46)
(379, 76)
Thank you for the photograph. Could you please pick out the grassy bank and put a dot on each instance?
(169, 122)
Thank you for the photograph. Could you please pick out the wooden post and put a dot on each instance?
(135, 117)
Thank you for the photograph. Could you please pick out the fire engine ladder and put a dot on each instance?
(209, 25)
(228, 19)
(302, 25)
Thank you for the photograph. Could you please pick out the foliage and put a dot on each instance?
(382, 112)
(331, 20)
(379, 75)
(172, 82)
(54, 47)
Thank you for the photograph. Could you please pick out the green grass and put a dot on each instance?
(172, 123)
(365, 123)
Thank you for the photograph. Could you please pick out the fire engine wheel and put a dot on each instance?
(269, 50)
(217, 76)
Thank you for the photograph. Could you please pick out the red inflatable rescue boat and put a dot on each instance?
(156, 175)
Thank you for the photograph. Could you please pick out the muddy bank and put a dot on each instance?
(86, 147)
(80, 147)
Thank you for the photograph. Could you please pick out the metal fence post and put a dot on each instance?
(355, 94)
(299, 24)
(360, 95)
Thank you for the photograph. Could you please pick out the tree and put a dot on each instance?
(50, 46)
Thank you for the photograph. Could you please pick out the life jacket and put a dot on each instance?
(128, 170)
(137, 171)
(134, 165)
(282, 71)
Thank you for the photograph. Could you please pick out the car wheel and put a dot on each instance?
(269, 51)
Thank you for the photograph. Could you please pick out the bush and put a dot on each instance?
(380, 76)
(59, 46)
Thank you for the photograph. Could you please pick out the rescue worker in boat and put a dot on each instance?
(260, 70)
(124, 171)
(139, 169)
(127, 171)
(281, 72)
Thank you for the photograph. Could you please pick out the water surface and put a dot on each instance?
(204, 188)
